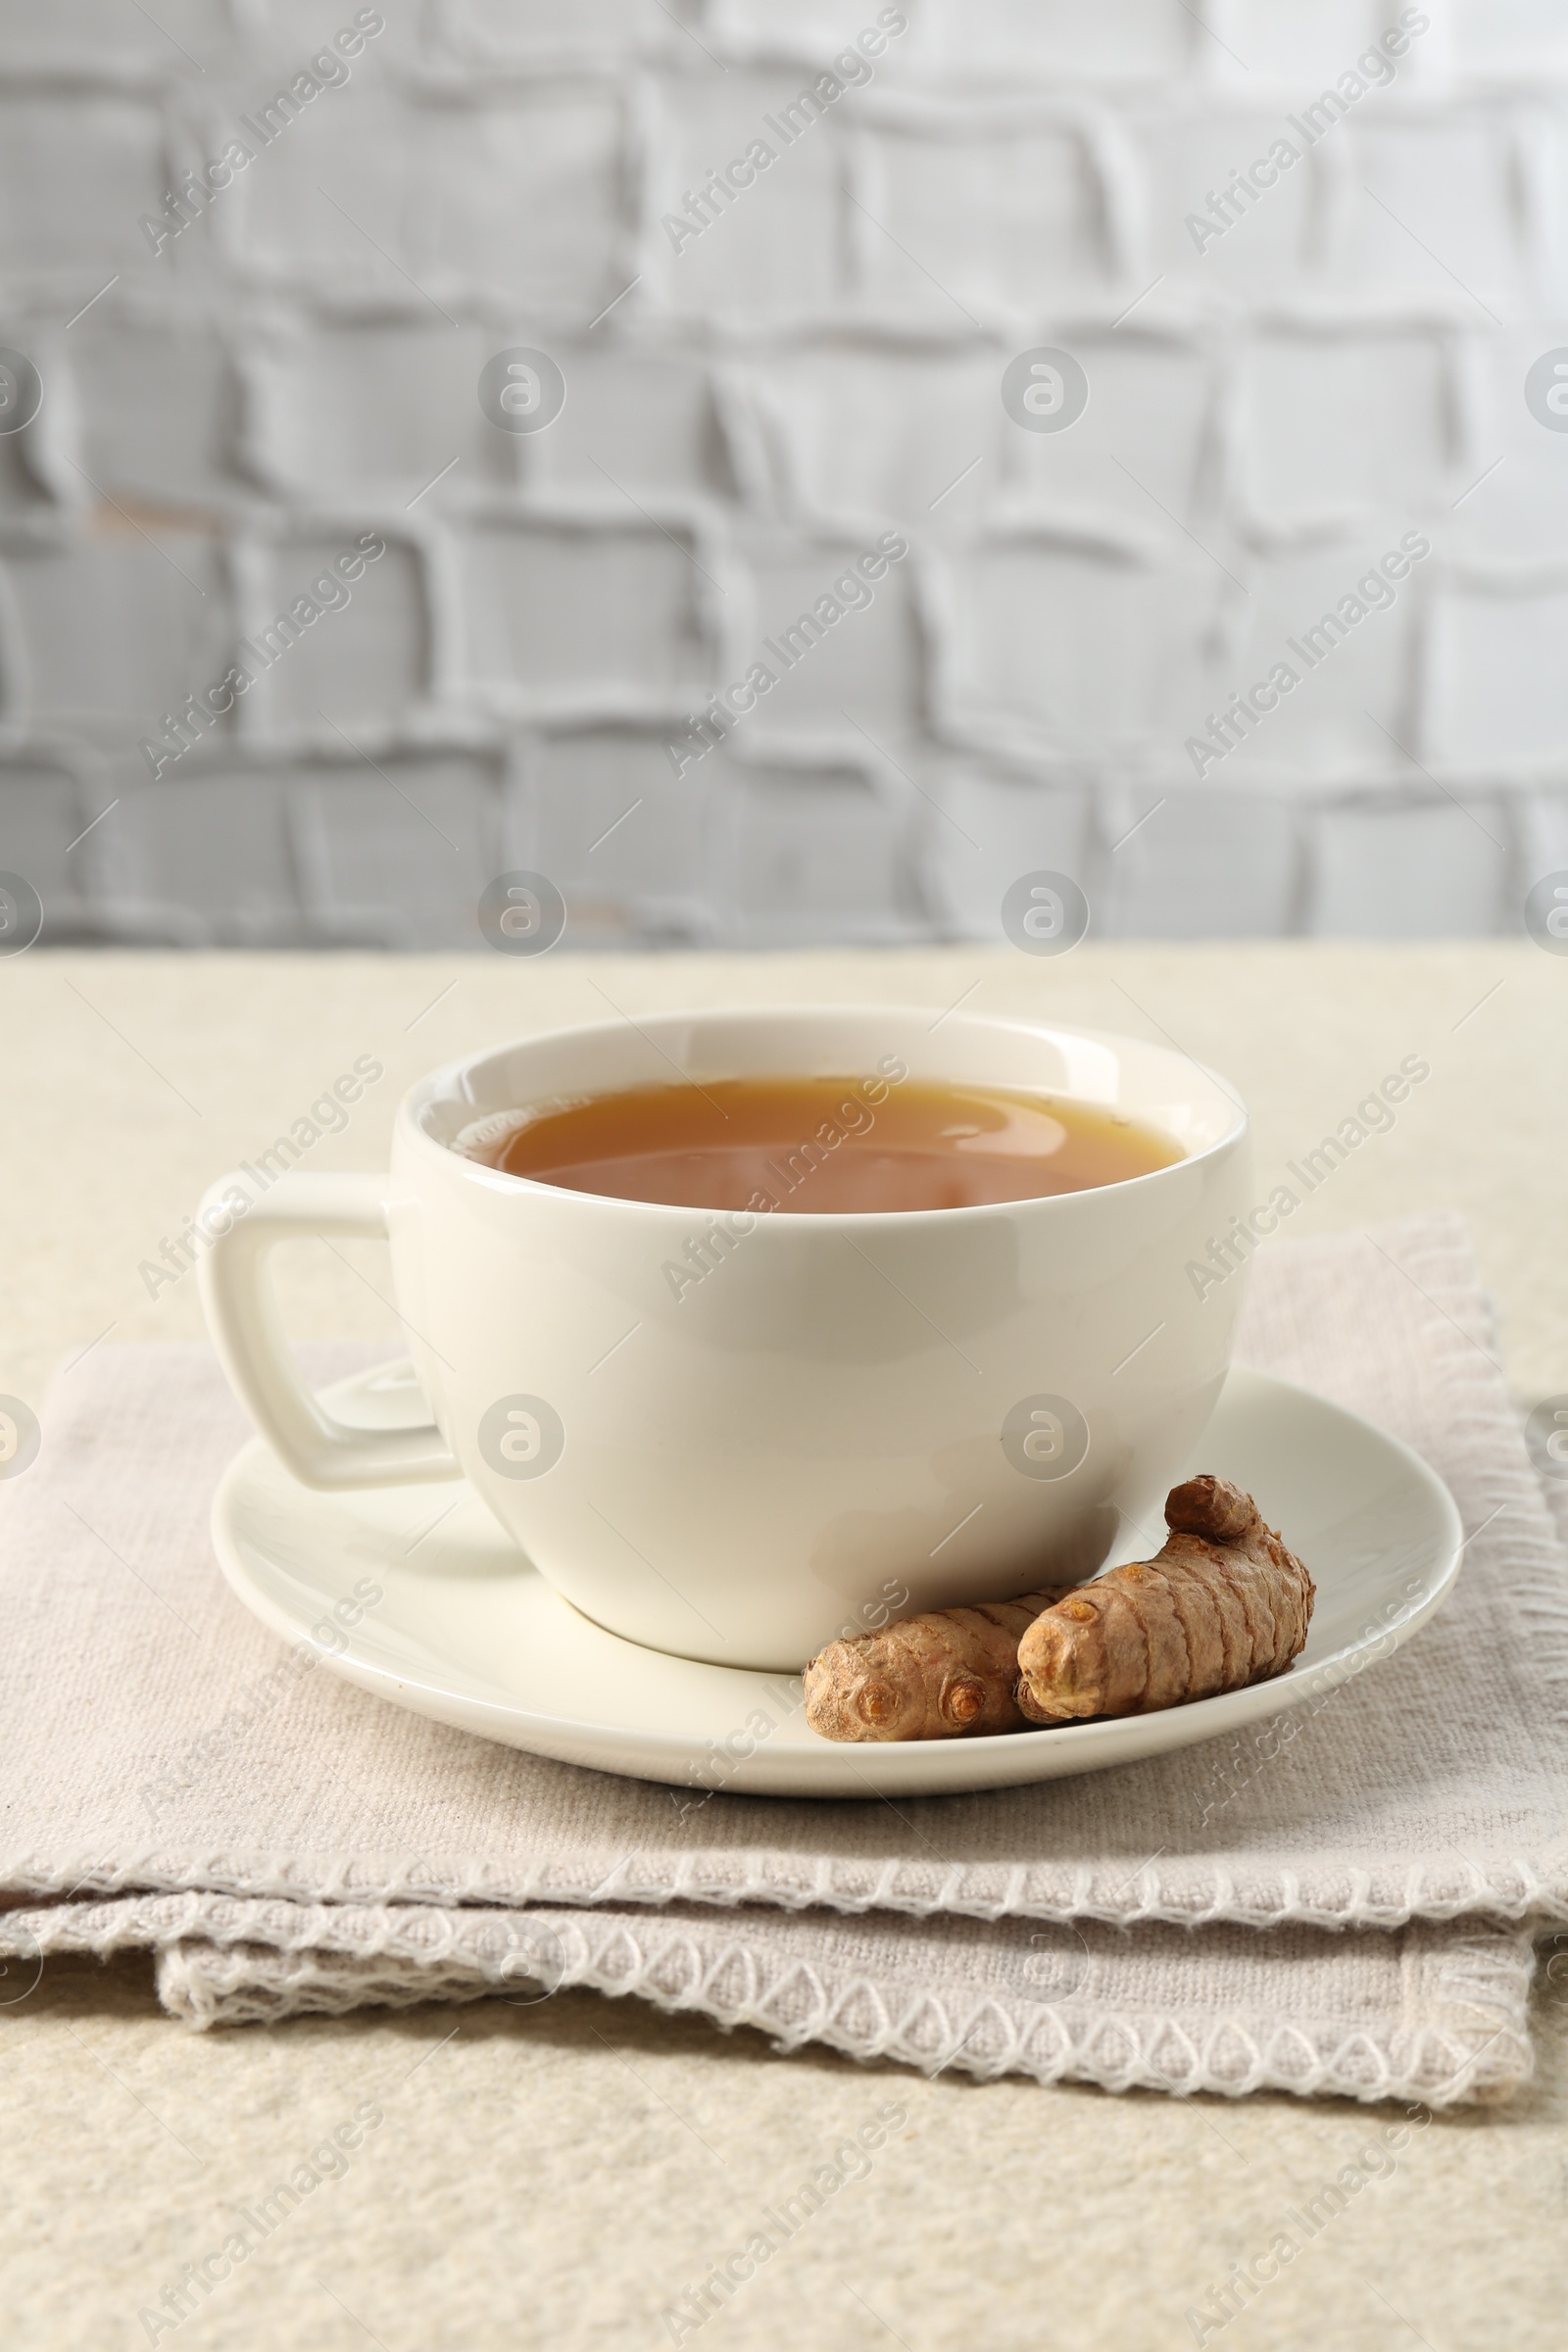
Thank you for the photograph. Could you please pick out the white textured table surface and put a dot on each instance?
(555, 2175)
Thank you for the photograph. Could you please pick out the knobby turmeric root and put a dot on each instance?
(948, 1674)
(1222, 1605)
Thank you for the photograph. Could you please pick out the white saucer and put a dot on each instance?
(469, 1633)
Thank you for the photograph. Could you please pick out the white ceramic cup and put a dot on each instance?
(845, 1416)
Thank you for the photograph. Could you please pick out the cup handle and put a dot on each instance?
(248, 1332)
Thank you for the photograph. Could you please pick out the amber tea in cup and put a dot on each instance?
(821, 1146)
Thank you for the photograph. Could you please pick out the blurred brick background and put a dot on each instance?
(824, 363)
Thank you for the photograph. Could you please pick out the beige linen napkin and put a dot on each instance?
(1350, 1914)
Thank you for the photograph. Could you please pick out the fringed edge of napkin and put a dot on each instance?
(1450, 1886)
(1436, 1254)
(1463, 2040)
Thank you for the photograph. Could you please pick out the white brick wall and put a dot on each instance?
(1343, 364)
